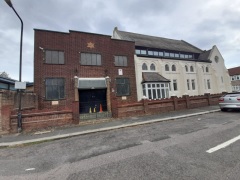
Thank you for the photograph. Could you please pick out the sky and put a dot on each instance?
(201, 23)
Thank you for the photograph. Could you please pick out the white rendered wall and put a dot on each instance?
(217, 72)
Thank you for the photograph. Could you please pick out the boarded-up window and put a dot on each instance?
(90, 59)
(55, 88)
(54, 57)
(120, 60)
(123, 86)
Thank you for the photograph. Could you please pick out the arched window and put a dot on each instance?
(191, 69)
(207, 70)
(173, 67)
(166, 67)
(186, 68)
(202, 68)
(152, 67)
(144, 66)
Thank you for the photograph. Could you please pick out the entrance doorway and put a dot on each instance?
(92, 101)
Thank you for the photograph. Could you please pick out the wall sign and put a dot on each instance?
(120, 72)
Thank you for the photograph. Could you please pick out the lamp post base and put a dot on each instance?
(19, 122)
(19, 130)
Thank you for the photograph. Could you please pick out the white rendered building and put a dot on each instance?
(167, 67)
(235, 78)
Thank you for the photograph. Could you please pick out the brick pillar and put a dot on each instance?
(6, 107)
(6, 113)
(145, 106)
(75, 110)
(114, 107)
(175, 102)
(187, 101)
(108, 95)
(208, 97)
(75, 104)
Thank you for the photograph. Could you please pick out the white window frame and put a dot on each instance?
(156, 90)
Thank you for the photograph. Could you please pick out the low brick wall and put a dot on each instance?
(6, 105)
(34, 118)
(147, 107)
(128, 110)
(41, 120)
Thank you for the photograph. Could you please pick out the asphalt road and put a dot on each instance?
(177, 149)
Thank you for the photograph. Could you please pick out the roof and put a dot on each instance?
(158, 42)
(7, 80)
(28, 84)
(204, 55)
(234, 71)
(153, 77)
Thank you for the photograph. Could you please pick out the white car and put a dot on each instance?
(230, 101)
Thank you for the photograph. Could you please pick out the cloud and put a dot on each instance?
(201, 23)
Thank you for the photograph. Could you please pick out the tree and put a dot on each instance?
(4, 75)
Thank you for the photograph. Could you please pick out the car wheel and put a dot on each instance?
(223, 110)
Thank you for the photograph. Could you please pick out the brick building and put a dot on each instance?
(89, 74)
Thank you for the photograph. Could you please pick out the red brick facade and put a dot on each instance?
(73, 43)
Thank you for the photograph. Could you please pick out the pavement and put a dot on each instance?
(66, 132)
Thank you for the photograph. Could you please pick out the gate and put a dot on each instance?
(93, 104)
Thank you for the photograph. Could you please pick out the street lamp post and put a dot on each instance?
(20, 69)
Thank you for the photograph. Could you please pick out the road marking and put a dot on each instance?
(30, 169)
(223, 145)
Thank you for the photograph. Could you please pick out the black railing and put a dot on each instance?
(92, 107)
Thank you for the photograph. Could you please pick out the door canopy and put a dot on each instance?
(92, 83)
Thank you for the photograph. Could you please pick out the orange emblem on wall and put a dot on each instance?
(90, 45)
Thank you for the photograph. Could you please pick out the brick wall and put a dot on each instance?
(73, 43)
(6, 106)
(32, 117)
(147, 107)
(9, 103)
(42, 120)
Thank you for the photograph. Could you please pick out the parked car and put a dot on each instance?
(230, 101)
